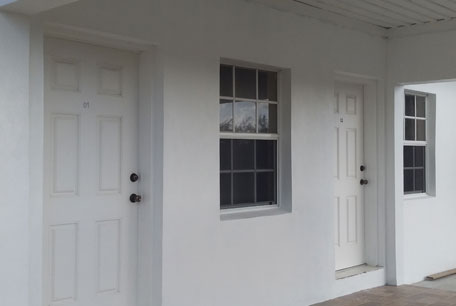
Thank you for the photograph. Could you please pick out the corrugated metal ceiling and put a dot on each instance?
(388, 14)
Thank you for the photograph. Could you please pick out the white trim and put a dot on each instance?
(96, 37)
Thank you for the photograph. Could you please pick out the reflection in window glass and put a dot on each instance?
(245, 114)
(267, 118)
(226, 115)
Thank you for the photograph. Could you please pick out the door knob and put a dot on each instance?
(134, 177)
(363, 182)
(362, 168)
(135, 198)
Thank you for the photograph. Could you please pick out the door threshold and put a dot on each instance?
(357, 270)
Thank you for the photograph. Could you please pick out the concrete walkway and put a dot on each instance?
(396, 296)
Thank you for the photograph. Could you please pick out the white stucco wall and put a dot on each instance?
(429, 227)
(14, 157)
(425, 227)
(281, 260)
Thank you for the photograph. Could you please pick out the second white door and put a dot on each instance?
(348, 173)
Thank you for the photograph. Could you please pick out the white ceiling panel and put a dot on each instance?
(387, 15)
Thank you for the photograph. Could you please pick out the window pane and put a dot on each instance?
(408, 156)
(409, 129)
(225, 189)
(267, 118)
(265, 154)
(408, 181)
(245, 83)
(267, 85)
(245, 117)
(226, 115)
(419, 180)
(420, 106)
(243, 191)
(226, 81)
(419, 156)
(225, 154)
(409, 105)
(266, 187)
(421, 130)
(243, 154)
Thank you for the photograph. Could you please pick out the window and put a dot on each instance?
(415, 143)
(248, 137)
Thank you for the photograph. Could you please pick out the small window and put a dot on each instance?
(415, 143)
(248, 137)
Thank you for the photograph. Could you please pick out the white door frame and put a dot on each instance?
(147, 223)
(374, 156)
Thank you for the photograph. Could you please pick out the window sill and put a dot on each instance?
(417, 196)
(251, 212)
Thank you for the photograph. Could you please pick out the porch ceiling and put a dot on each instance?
(389, 16)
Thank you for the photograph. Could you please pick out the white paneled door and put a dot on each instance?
(90, 152)
(348, 175)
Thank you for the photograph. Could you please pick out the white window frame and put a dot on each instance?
(254, 136)
(417, 143)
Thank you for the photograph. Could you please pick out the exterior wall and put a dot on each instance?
(424, 231)
(15, 156)
(429, 226)
(281, 260)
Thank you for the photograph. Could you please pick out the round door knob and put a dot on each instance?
(362, 168)
(363, 182)
(134, 177)
(135, 198)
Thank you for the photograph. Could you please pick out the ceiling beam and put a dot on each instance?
(31, 7)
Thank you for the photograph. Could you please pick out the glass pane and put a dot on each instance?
(226, 81)
(245, 83)
(266, 154)
(245, 117)
(266, 187)
(225, 154)
(409, 105)
(421, 130)
(225, 189)
(420, 106)
(243, 154)
(420, 180)
(267, 118)
(408, 180)
(226, 116)
(408, 156)
(409, 129)
(419, 156)
(243, 188)
(267, 85)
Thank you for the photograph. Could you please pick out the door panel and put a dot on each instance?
(349, 194)
(90, 151)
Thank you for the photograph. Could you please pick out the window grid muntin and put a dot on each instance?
(415, 142)
(233, 135)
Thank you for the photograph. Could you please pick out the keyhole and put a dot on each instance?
(341, 120)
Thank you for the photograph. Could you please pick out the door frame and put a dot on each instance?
(149, 104)
(374, 158)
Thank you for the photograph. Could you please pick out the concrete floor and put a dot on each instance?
(396, 296)
(446, 283)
